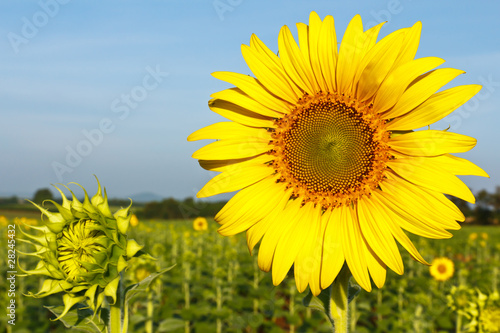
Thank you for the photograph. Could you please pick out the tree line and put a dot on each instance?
(485, 211)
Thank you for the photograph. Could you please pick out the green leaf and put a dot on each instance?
(82, 318)
(132, 290)
(170, 324)
(320, 302)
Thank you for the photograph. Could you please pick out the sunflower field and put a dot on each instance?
(216, 286)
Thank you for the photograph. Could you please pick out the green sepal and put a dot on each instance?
(50, 287)
(65, 213)
(42, 239)
(112, 288)
(123, 219)
(69, 301)
(82, 318)
(42, 269)
(76, 206)
(65, 202)
(53, 217)
(100, 201)
(132, 248)
(122, 264)
(90, 294)
(87, 206)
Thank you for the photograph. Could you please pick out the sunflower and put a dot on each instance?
(200, 224)
(442, 269)
(321, 145)
(134, 221)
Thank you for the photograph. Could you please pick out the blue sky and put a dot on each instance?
(122, 84)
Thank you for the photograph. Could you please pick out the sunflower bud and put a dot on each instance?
(82, 248)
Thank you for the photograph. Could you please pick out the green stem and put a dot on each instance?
(339, 296)
(291, 307)
(219, 304)
(187, 296)
(458, 329)
(149, 321)
(379, 305)
(353, 315)
(115, 320)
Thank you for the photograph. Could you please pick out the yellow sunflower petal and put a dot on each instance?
(294, 238)
(349, 54)
(234, 179)
(333, 254)
(410, 45)
(376, 267)
(459, 166)
(223, 165)
(238, 214)
(315, 26)
(254, 89)
(232, 148)
(378, 236)
(307, 257)
(293, 62)
(303, 33)
(351, 242)
(317, 257)
(327, 52)
(272, 237)
(371, 36)
(238, 97)
(422, 88)
(228, 130)
(272, 77)
(390, 219)
(421, 171)
(257, 231)
(432, 143)
(411, 220)
(435, 108)
(424, 203)
(398, 80)
(240, 115)
(377, 63)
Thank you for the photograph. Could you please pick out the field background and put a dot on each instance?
(216, 283)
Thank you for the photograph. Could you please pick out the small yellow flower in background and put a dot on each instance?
(484, 236)
(3, 221)
(473, 236)
(482, 243)
(442, 269)
(26, 222)
(134, 221)
(322, 149)
(200, 224)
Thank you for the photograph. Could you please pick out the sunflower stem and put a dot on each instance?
(149, 309)
(339, 298)
(115, 321)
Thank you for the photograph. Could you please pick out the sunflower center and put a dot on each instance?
(441, 268)
(330, 149)
(79, 248)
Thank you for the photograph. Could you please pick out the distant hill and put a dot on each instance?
(146, 197)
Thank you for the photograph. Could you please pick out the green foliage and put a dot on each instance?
(42, 195)
(249, 302)
(174, 209)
